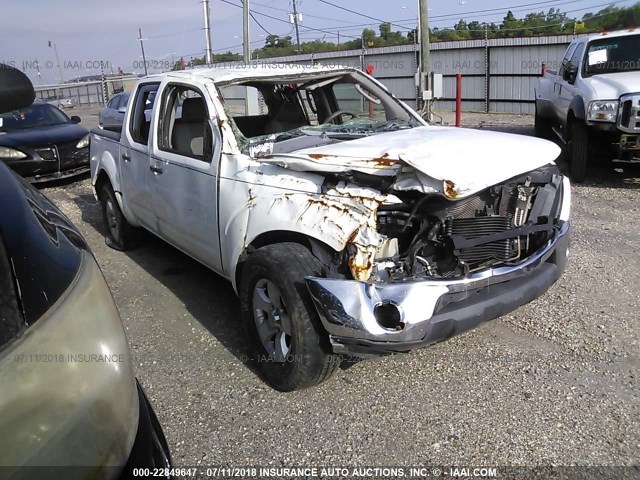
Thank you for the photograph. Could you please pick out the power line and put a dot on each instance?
(567, 21)
(503, 9)
(361, 14)
(259, 24)
(284, 21)
(306, 14)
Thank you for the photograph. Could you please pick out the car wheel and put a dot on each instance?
(120, 234)
(578, 147)
(542, 126)
(288, 344)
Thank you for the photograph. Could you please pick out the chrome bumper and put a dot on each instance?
(432, 310)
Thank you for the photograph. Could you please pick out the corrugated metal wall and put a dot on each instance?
(499, 75)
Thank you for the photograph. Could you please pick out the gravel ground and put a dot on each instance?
(556, 382)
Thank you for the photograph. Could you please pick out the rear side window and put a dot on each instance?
(184, 127)
(140, 124)
(241, 100)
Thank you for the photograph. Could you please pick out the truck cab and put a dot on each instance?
(593, 100)
(345, 223)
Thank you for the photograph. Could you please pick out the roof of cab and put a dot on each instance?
(616, 33)
(233, 72)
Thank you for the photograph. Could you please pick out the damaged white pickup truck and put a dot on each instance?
(345, 223)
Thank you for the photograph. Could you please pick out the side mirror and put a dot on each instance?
(569, 72)
(76, 119)
(122, 110)
(16, 90)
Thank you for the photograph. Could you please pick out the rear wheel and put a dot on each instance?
(288, 344)
(120, 234)
(578, 147)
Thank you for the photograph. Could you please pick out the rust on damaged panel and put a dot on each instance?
(450, 189)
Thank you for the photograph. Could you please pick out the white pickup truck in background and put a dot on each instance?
(345, 223)
(594, 99)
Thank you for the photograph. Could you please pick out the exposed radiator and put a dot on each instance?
(501, 250)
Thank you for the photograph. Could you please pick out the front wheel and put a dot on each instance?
(120, 234)
(578, 146)
(288, 344)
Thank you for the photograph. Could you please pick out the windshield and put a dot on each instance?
(36, 115)
(608, 55)
(275, 117)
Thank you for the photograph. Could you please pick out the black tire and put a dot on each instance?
(120, 234)
(578, 147)
(302, 357)
(542, 126)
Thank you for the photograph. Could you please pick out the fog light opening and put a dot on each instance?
(388, 316)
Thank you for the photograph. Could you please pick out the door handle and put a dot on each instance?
(156, 170)
(126, 157)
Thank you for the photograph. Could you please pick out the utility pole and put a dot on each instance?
(144, 58)
(55, 51)
(208, 56)
(295, 21)
(425, 55)
(246, 42)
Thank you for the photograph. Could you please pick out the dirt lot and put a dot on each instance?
(556, 382)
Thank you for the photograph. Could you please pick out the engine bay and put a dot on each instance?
(429, 236)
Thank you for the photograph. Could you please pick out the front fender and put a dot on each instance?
(339, 217)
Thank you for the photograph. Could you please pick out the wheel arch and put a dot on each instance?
(318, 248)
(576, 112)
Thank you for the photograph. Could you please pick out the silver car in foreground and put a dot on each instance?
(71, 405)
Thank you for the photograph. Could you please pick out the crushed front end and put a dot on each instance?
(445, 265)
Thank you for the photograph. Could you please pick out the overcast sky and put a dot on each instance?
(88, 31)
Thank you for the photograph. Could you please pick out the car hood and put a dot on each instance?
(42, 135)
(455, 161)
(611, 86)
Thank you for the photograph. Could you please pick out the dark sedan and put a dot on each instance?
(41, 143)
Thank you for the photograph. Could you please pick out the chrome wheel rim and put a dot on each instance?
(272, 320)
(112, 219)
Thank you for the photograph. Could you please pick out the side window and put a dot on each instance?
(576, 58)
(112, 103)
(140, 124)
(124, 99)
(184, 127)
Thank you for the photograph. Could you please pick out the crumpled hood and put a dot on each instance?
(611, 86)
(467, 160)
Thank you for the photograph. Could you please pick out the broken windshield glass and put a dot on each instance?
(269, 116)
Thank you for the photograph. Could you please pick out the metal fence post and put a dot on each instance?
(458, 99)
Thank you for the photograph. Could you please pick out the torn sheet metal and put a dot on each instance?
(469, 160)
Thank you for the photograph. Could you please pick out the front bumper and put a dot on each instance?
(49, 177)
(432, 310)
